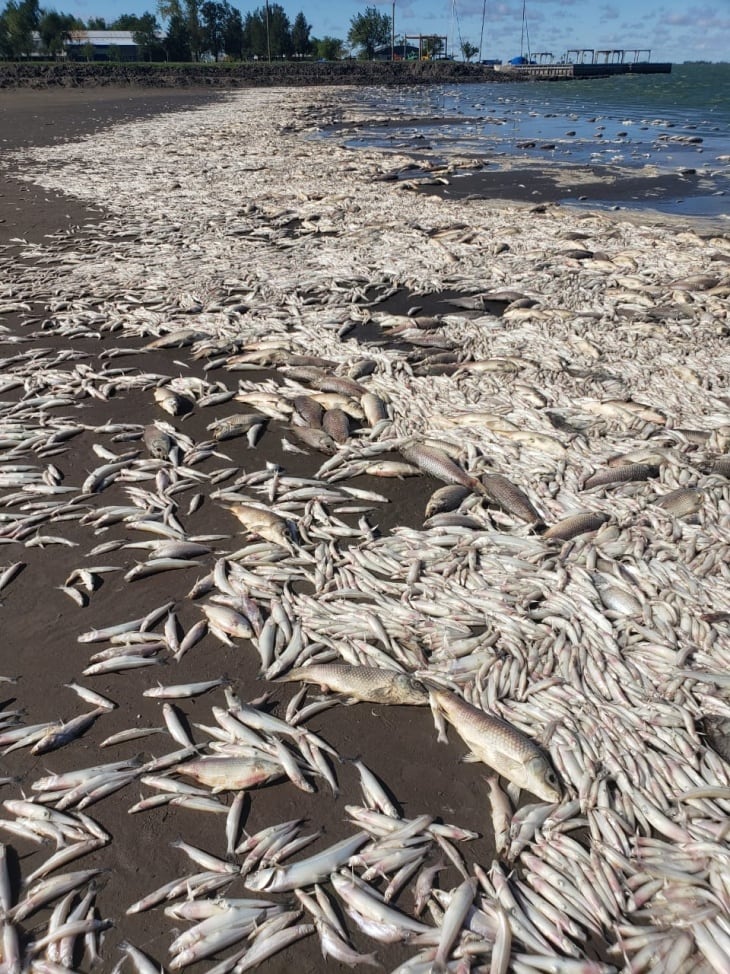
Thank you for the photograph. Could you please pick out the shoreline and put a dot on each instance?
(193, 222)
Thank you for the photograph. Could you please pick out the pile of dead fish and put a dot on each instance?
(560, 601)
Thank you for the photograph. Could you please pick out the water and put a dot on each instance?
(670, 122)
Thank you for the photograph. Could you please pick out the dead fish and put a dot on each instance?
(363, 682)
(498, 744)
(391, 468)
(538, 441)
(59, 736)
(621, 474)
(437, 463)
(318, 439)
(230, 773)
(339, 383)
(310, 410)
(575, 525)
(175, 339)
(236, 425)
(717, 732)
(158, 443)
(335, 422)
(446, 499)
(496, 364)
(681, 502)
(374, 408)
(510, 497)
(171, 402)
(640, 409)
(265, 523)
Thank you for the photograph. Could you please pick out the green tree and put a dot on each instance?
(5, 46)
(113, 53)
(87, 51)
(300, 39)
(177, 39)
(177, 35)
(264, 36)
(125, 22)
(468, 50)
(368, 31)
(195, 31)
(432, 45)
(329, 48)
(55, 30)
(213, 18)
(21, 18)
(96, 23)
(146, 37)
(233, 35)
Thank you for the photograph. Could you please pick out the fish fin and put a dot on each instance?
(513, 792)
(470, 758)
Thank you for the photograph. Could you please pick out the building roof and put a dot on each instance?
(103, 37)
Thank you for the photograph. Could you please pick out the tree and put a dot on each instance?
(146, 37)
(329, 48)
(468, 50)
(432, 45)
(264, 36)
(177, 37)
(125, 22)
(87, 51)
(21, 18)
(369, 30)
(96, 23)
(55, 30)
(300, 40)
(233, 35)
(213, 17)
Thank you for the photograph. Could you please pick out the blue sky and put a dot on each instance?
(675, 30)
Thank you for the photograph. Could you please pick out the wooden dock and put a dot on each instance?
(559, 71)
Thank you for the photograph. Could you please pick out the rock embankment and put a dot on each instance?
(241, 75)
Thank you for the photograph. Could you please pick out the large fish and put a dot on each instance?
(437, 463)
(368, 683)
(498, 744)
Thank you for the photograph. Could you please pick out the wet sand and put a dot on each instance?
(40, 624)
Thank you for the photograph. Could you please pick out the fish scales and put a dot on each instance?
(510, 497)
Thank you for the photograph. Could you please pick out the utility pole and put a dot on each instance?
(268, 34)
(392, 34)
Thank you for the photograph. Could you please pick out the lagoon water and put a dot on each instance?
(672, 122)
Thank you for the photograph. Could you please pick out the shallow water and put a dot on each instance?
(679, 121)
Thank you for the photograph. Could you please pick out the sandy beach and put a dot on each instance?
(129, 216)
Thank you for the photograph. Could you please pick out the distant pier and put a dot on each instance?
(583, 63)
